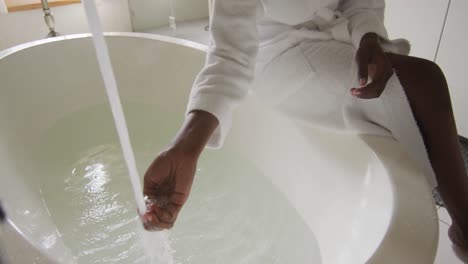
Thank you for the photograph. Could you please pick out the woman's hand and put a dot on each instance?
(372, 64)
(169, 178)
(167, 185)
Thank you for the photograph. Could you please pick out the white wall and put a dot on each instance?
(3, 8)
(453, 57)
(419, 21)
(25, 26)
(148, 14)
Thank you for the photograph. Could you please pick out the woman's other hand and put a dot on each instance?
(374, 68)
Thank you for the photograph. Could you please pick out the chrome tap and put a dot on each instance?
(49, 19)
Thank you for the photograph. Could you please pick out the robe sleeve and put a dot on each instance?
(365, 16)
(230, 64)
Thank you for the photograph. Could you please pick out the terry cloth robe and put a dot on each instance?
(299, 56)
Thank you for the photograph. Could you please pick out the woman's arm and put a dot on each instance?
(230, 63)
(194, 134)
(366, 25)
(218, 89)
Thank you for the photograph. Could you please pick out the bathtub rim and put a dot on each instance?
(167, 39)
(382, 254)
(403, 210)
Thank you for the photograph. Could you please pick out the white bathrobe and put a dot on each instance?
(301, 55)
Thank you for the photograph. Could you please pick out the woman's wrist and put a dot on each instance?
(194, 134)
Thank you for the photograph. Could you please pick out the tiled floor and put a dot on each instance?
(445, 253)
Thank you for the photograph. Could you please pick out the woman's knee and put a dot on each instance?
(423, 80)
(431, 71)
(420, 69)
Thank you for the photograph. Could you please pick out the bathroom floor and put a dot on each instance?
(196, 30)
(445, 253)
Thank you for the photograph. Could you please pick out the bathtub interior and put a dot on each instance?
(336, 202)
(56, 119)
(338, 185)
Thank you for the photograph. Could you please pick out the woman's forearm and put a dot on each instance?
(195, 133)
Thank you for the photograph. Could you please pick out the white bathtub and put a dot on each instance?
(352, 199)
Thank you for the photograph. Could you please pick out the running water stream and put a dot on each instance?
(156, 245)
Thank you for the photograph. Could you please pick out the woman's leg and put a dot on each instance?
(428, 94)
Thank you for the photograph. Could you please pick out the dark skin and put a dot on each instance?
(428, 94)
(171, 174)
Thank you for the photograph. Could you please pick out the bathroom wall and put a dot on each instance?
(421, 22)
(148, 14)
(453, 57)
(24, 26)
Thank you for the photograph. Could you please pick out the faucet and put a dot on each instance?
(49, 19)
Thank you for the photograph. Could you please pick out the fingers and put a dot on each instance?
(167, 214)
(152, 222)
(372, 90)
(160, 218)
(163, 211)
(380, 71)
(363, 58)
(373, 73)
(167, 184)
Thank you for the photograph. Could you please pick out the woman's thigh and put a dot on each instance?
(323, 98)
(320, 92)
